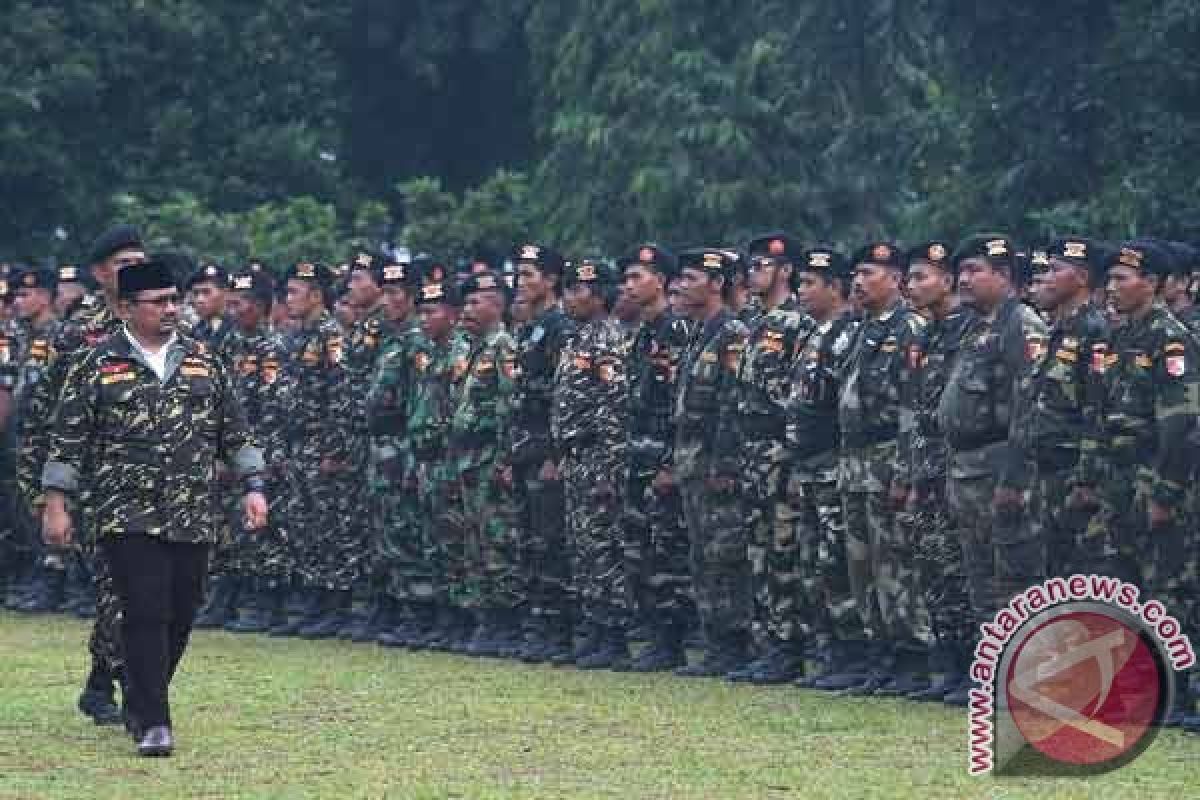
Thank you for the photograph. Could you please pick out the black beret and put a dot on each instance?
(33, 278)
(489, 281)
(885, 254)
(712, 260)
(393, 272)
(1079, 251)
(439, 291)
(70, 273)
(652, 257)
(777, 245)
(259, 284)
(256, 265)
(590, 270)
(996, 248)
(824, 261)
(935, 252)
(153, 273)
(370, 263)
(209, 273)
(1142, 255)
(114, 240)
(1183, 257)
(545, 259)
(310, 272)
(484, 258)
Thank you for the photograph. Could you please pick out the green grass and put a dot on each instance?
(258, 717)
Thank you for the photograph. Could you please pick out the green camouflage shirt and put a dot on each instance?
(142, 454)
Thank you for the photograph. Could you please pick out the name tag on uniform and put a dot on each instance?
(1143, 361)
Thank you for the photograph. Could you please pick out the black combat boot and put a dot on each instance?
(910, 672)
(308, 601)
(949, 674)
(591, 639)
(882, 670)
(781, 664)
(47, 592)
(666, 651)
(220, 606)
(98, 699)
(335, 608)
(847, 667)
(255, 613)
(725, 653)
(612, 652)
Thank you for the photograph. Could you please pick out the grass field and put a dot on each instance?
(259, 717)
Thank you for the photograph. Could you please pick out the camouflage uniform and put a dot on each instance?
(314, 374)
(815, 550)
(1143, 452)
(361, 515)
(1066, 393)
(759, 423)
(437, 369)
(15, 548)
(88, 326)
(256, 368)
(982, 408)
(656, 539)
(715, 519)
(589, 422)
(399, 550)
(924, 457)
(141, 455)
(541, 515)
(881, 569)
(478, 426)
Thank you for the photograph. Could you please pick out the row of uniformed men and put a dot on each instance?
(819, 466)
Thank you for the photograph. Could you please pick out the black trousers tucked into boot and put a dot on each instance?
(161, 584)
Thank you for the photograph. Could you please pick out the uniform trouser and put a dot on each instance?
(882, 573)
(1162, 561)
(104, 643)
(541, 521)
(1001, 556)
(493, 575)
(763, 494)
(720, 566)
(593, 506)
(160, 585)
(406, 573)
(329, 554)
(446, 530)
(939, 562)
(267, 555)
(820, 553)
(656, 554)
(1063, 530)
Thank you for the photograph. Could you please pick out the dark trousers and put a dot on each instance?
(160, 585)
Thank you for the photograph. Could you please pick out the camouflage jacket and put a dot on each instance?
(1151, 400)
(811, 413)
(364, 349)
(873, 376)
(84, 330)
(655, 355)
(483, 403)
(10, 355)
(1065, 391)
(591, 394)
(256, 367)
(923, 455)
(142, 454)
(436, 370)
(319, 391)
(387, 399)
(764, 374)
(985, 401)
(539, 348)
(211, 332)
(707, 386)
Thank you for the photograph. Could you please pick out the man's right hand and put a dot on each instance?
(56, 522)
(664, 481)
(1082, 498)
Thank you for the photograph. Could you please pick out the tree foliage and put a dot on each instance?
(592, 124)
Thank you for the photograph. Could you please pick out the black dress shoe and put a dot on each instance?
(100, 706)
(156, 741)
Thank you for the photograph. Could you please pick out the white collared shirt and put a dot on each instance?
(156, 360)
